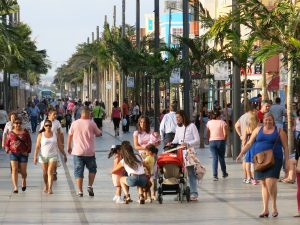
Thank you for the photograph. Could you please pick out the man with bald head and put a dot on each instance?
(82, 133)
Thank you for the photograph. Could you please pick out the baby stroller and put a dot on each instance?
(172, 177)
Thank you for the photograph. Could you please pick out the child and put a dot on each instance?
(115, 151)
(68, 118)
(150, 162)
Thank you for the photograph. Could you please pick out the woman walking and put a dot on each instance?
(268, 137)
(217, 134)
(18, 144)
(187, 135)
(116, 116)
(46, 150)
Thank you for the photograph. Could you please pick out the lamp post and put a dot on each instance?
(156, 82)
(123, 76)
(185, 56)
(236, 80)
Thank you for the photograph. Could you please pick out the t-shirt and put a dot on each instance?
(243, 120)
(143, 138)
(125, 109)
(84, 131)
(98, 112)
(216, 128)
(278, 111)
(138, 171)
(149, 160)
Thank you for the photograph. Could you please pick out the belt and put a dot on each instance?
(133, 174)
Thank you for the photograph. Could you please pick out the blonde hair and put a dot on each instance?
(268, 114)
(253, 120)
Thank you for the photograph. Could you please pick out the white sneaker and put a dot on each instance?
(248, 181)
(120, 201)
(115, 198)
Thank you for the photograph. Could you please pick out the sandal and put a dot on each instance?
(141, 199)
(288, 181)
(127, 199)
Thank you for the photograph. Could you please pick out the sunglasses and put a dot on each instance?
(48, 125)
(18, 123)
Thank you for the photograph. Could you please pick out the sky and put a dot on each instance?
(60, 25)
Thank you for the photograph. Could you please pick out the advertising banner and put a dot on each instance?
(14, 80)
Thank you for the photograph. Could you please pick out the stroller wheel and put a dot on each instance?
(188, 194)
(159, 190)
(180, 193)
(160, 199)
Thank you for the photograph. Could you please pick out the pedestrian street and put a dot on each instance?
(227, 201)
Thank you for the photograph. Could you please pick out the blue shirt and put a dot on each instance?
(34, 111)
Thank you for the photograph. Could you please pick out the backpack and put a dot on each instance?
(116, 113)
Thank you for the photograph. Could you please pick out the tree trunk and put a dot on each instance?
(228, 142)
(245, 91)
(290, 107)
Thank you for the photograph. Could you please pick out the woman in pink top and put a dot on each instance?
(217, 133)
(143, 136)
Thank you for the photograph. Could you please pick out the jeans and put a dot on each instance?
(298, 190)
(192, 180)
(34, 120)
(218, 149)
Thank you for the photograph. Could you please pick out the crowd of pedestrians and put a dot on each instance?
(134, 164)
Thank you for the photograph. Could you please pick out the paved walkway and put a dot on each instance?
(227, 201)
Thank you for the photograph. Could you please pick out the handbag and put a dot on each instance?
(200, 171)
(265, 160)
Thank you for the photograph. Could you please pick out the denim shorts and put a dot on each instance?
(18, 157)
(139, 180)
(80, 162)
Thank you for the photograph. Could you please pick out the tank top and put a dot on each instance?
(116, 113)
(266, 141)
(49, 146)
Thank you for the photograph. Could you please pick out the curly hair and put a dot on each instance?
(147, 124)
(128, 155)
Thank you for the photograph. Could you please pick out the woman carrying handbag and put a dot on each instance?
(266, 138)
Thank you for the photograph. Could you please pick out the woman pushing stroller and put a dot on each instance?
(187, 135)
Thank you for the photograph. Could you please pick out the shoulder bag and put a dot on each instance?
(265, 159)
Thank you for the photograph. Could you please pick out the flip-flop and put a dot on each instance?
(288, 181)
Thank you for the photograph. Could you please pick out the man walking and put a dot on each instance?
(125, 113)
(82, 133)
(168, 125)
(278, 112)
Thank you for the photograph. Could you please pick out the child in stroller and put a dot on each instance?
(172, 176)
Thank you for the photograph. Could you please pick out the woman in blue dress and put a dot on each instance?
(265, 138)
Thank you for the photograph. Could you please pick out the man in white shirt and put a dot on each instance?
(168, 125)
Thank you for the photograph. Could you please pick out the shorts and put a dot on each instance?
(18, 157)
(116, 180)
(48, 159)
(137, 180)
(81, 161)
